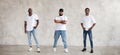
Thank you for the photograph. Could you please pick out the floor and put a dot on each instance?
(47, 50)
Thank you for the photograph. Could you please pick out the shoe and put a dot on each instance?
(66, 50)
(54, 49)
(30, 49)
(38, 50)
(84, 49)
(91, 51)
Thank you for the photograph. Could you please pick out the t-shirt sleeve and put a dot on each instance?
(93, 20)
(66, 18)
(56, 18)
(82, 20)
(36, 17)
(25, 19)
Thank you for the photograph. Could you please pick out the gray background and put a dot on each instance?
(105, 12)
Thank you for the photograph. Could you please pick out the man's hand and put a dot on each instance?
(63, 22)
(90, 28)
(36, 24)
(35, 27)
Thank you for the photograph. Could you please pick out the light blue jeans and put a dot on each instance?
(57, 34)
(29, 33)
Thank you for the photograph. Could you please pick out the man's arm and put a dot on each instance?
(64, 22)
(60, 21)
(57, 21)
(25, 24)
(37, 24)
(82, 26)
(92, 26)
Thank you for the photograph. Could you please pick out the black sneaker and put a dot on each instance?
(84, 49)
(91, 51)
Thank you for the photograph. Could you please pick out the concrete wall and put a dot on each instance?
(105, 33)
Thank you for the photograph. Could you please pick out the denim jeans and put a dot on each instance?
(89, 32)
(57, 34)
(29, 33)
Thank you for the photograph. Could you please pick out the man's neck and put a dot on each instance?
(87, 14)
(30, 14)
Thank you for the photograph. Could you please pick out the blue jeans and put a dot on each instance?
(89, 32)
(57, 35)
(35, 38)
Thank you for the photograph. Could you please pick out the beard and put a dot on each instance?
(60, 14)
(30, 13)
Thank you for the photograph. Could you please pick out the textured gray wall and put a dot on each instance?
(106, 13)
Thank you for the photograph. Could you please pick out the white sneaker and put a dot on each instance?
(54, 49)
(38, 49)
(30, 49)
(66, 50)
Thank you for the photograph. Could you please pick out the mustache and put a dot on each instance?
(60, 14)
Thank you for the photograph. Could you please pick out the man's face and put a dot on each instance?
(87, 11)
(30, 10)
(60, 13)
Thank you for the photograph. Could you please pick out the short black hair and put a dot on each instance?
(87, 8)
(61, 10)
(29, 9)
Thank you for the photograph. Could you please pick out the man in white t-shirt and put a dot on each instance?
(60, 22)
(87, 23)
(31, 23)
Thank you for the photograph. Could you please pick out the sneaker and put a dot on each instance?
(84, 49)
(54, 49)
(66, 50)
(30, 49)
(91, 51)
(38, 49)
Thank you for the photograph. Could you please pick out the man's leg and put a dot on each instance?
(56, 37)
(90, 38)
(91, 41)
(36, 40)
(35, 37)
(63, 35)
(84, 39)
(29, 40)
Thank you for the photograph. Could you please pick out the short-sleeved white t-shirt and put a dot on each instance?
(88, 21)
(31, 22)
(60, 26)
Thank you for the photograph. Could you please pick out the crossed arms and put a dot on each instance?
(60, 21)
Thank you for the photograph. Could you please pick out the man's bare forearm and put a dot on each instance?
(60, 21)
(93, 25)
(37, 24)
(82, 26)
(64, 22)
(25, 24)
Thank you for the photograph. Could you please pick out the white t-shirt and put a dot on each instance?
(88, 21)
(60, 26)
(31, 22)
